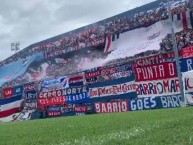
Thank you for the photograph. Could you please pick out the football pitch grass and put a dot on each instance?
(154, 127)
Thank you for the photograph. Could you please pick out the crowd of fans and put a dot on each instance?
(183, 39)
(96, 37)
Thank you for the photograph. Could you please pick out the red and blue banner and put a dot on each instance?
(76, 81)
(30, 87)
(73, 95)
(9, 106)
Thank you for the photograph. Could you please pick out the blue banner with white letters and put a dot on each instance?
(77, 95)
(18, 90)
(186, 64)
(148, 103)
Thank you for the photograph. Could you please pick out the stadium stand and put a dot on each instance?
(95, 35)
(78, 58)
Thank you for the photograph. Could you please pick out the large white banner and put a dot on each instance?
(146, 38)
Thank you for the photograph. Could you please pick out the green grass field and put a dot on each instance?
(156, 127)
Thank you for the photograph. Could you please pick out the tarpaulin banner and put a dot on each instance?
(8, 92)
(121, 74)
(123, 67)
(147, 103)
(92, 73)
(188, 84)
(30, 87)
(76, 81)
(169, 101)
(110, 73)
(30, 104)
(116, 69)
(186, 64)
(51, 101)
(55, 108)
(30, 94)
(156, 72)
(163, 87)
(187, 52)
(62, 92)
(54, 93)
(149, 61)
(77, 98)
(120, 88)
(80, 109)
(142, 103)
(73, 95)
(111, 107)
(18, 90)
(10, 100)
(92, 80)
(158, 87)
(59, 83)
(9, 106)
(54, 111)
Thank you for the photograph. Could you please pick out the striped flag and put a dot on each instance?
(10, 106)
(184, 19)
(110, 39)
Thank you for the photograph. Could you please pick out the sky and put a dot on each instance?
(31, 21)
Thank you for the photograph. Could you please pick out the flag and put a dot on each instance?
(184, 20)
(64, 82)
(10, 106)
(110, 39)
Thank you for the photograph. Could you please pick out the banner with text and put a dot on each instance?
(156, 72)
(115, 89)
(58, 83)
(155, 102)
(111, 107)
(158, 87)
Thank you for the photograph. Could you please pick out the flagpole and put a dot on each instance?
(176, 55)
